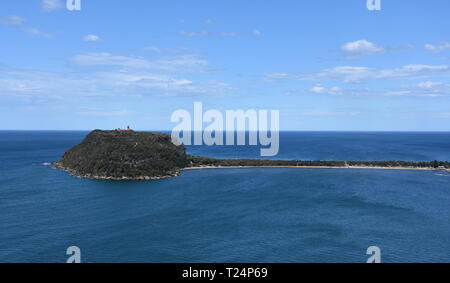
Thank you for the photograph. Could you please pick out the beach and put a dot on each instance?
(316, 167)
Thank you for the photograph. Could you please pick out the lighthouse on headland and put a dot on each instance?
(128, 129)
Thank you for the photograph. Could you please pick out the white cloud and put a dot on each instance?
(280, 76)
(45, 85)
(334, 90)
(205, 33)
(361, 48)
(445, 115)
(318, 89)
(92, 38)
(152, 49)
(351, 74)
(321, 90)
(182, 63)
(417, 90)
(36, 32)
(169, 50)
(19, 23)
(51, 5)
(195, 33)
(414, 93)
(229, 34)
(426, 88)
(96, 113)
(429, 84)
(148, 81)
(330, 113)
(438, 48)
(126, 76)
(12, 21)
(256, 32)
(423, 89)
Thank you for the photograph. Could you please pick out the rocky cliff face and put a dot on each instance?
(124, 156)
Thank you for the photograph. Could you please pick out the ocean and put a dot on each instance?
(231, 215)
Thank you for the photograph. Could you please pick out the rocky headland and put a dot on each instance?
(129, 155)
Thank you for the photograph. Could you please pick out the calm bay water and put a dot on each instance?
(230, 215)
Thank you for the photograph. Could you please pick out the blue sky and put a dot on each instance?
(326, 65)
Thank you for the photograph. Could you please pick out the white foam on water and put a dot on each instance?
(442, 175)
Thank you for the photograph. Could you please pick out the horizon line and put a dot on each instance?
(342, 131)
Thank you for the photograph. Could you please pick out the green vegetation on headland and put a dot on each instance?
(121, 155)
(209, 162)
(128, 155)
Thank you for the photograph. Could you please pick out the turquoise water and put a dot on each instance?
(230, 215)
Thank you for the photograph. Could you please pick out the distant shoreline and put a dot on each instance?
(315, 167)
(73, 173)
(128, 155)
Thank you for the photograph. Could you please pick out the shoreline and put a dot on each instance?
(317, 167)
(177, 174)
(153, 156)
(75, 174)
(72, 173)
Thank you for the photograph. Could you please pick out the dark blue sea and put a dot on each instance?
(230, 215)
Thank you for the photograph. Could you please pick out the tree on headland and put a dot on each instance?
(435, 164)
